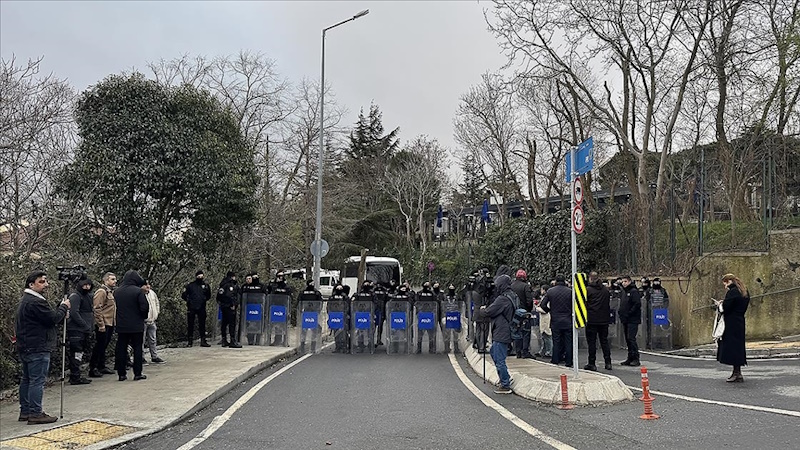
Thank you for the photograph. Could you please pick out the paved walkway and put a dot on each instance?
(108, 412)
(788, 347)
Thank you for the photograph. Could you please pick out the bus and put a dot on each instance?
(379, 269)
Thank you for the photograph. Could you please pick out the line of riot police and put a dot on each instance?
(395, 317)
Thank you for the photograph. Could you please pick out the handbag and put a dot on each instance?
(719, 327)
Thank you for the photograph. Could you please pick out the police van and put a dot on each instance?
(379, 269)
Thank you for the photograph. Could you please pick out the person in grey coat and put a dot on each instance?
(501, 311)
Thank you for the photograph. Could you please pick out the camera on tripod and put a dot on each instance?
(72, 274)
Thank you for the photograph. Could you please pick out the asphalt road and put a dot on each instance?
(417, 401)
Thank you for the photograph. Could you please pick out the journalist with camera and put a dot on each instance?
(36, 338)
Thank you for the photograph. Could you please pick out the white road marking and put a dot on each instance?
(526, 427)
(784, 412)
(220, 420)
(712, 358)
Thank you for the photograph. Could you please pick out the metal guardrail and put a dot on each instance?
(765, 294)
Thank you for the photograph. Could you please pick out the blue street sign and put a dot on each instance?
(336, 320)
(584, 160)
(398, 320)
(363, 320)
(425, 320)
(310, 319)
(660, 317)
(277, 313)
(452, 320)
(253, 313)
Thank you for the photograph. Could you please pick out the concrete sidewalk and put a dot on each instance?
(541, 381)
(108, 412)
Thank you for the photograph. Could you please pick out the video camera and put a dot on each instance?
(72, 274)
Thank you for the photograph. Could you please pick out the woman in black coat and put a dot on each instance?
(731, 347)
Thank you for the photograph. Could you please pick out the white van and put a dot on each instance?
(327, 281)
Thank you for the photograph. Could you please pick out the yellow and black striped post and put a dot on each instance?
(579, 284)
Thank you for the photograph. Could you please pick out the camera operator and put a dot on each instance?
(79, 327)
(36, 337)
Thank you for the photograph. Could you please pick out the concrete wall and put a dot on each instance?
(770, 315)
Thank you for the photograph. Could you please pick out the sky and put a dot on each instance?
(413, 59)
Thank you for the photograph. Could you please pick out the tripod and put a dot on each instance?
(64, 350)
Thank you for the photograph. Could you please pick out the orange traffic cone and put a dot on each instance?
(564, 393)
(646, 398)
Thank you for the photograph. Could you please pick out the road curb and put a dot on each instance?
(197, 407)
(609, 391)
(756, 353)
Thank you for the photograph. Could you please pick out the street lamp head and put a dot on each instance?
(361, 14)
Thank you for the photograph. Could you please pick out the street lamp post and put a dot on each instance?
(318, 230)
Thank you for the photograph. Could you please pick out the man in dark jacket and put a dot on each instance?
(79, 327)
(598, 312)
(196, 295)
(36, 338)
(630, 314)
(501, 312)
(558, 303)
(522, 288)
(132, 309)
(228, 297)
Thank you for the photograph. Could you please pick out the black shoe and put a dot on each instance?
(627, 362)
(205, 344)
(41, 419)
(189, 344)
(634, 363)
(107, 371)
(139, 377)
(123, 377)
(235, 345)
(591, 367)
(567, 365)
(537, 354)
(529, 356)
(94, 373)
(608, 366)
(76, 381)
(224, 343)
(157, 360)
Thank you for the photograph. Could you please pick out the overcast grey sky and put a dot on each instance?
(414, 59)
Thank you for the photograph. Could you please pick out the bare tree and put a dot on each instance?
(415, 180)
(37, 135)
(486, 126)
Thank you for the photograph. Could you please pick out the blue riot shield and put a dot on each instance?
(338, 323)
(253, 323)
(277, 319)
(362, 326)
(398, 325)
(309, 326)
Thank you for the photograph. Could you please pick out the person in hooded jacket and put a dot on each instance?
(501, 311)
(79, 327)
(196, 295)
(228, 298)
(598, 315)
(558, 303)
(132, 309)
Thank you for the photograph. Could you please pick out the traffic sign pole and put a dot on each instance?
(573, 173)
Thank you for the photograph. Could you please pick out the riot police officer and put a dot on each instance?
(279, 286)
(339, 302)
(310, 300)
(253, 285)
(364, 300)
(426, 302)
(227, 297)
(380, 298)
(451, 307)
(655, 297)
